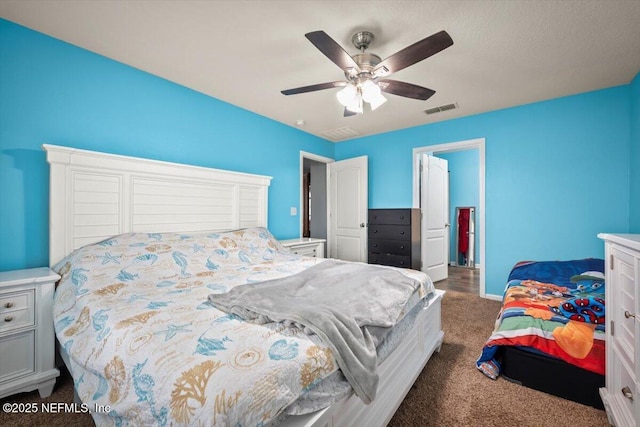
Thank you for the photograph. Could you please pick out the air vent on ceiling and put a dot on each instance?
(340, 133)
(441, 108)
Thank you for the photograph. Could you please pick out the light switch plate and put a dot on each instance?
(294, 211)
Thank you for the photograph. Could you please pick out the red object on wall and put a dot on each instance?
(463, 230)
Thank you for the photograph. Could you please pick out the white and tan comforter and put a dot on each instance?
(132, 314)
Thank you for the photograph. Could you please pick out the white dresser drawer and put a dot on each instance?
(16, 310)
(17, 355)
(624, 395)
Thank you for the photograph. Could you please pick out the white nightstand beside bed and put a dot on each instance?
(27, 344)
(307, 246)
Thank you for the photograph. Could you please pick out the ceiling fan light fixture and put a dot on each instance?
(356, 104)
(347, 95)
(372, 94)
(377, 101)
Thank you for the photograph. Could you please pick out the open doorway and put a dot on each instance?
(454, 151)
(314, 196)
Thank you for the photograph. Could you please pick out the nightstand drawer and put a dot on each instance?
(310, 250)
(17, 355)
(16, 310)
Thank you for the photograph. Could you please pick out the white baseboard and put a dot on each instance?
(493, 297)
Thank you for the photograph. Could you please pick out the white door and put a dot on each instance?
(348, 204)
(434, 202)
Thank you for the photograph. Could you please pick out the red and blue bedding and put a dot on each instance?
(556, 308)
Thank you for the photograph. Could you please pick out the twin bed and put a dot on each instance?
(146, 249)
(550, 331)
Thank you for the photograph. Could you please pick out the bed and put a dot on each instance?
(141, 246)
(550, 331)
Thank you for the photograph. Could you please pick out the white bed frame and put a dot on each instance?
(95, 195)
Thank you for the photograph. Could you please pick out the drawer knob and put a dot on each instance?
(8, 305)
(401, 216)
(629, 315)
(401, 247)
(402, 232)
(626, 392)
(8, 318)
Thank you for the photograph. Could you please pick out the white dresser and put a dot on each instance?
(307, 246)
(621, 396)
(27, 343)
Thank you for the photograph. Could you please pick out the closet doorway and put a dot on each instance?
(452, 152)
(314, 195)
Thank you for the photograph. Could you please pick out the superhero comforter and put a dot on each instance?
(556, 308)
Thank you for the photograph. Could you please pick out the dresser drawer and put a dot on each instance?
(390, 216)
(17, 352)
(625, 392)
(392, 260)
(16, 310)
(392, 232)
(395, 247)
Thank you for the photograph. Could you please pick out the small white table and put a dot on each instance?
(27, 339)
(307, 246)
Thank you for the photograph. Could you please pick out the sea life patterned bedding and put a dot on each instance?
(132, 315)
(553, 307)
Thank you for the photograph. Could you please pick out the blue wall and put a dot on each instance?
(52, 92)
(557, 173)
(634, 158)
(464, 168)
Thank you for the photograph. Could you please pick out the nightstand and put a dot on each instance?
(27, 338)
(307, 246)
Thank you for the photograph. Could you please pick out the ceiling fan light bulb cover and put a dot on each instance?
(347, 96)
(356, 105)
(370, 91)
(377, 101)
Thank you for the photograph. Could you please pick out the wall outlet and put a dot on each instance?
(294, 211)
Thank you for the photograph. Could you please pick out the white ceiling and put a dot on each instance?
(505, 53)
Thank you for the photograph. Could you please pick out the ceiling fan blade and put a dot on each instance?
(413, 54)
(313, 88)
(348, 113)
(332, 50)
(408, 90)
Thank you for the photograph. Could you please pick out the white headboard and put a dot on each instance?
(95, 195)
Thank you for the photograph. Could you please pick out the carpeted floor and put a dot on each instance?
(448, 392)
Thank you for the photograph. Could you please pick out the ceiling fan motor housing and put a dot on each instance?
(366, 62)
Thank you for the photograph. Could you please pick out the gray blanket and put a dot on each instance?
(340, 301)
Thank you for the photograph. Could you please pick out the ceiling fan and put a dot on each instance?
(366, 72)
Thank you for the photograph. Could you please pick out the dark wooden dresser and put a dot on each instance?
(394, 237)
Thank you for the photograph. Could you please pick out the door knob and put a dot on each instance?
(362, 224)
(626, 392)
(629, 315)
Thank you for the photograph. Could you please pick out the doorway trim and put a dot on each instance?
(479, 144)
(326, 161)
